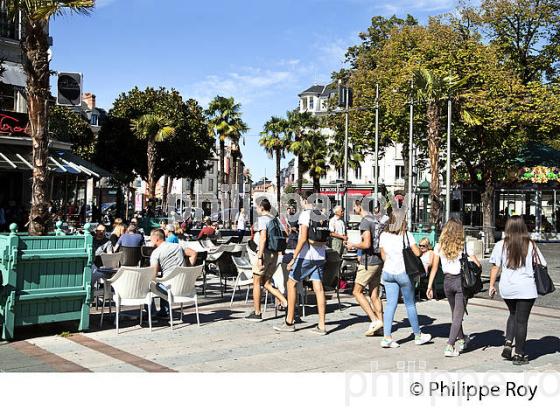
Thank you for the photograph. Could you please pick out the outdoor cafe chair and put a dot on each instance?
(111, 260)
(131, 256)
(245, 278)
(108, 261)
(131, 287)
(180, 286)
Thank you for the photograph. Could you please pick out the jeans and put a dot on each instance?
(393, 283)
(519, 311)
(163, 304)
(453, 289)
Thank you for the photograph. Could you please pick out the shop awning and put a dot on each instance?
(13, 157)
(13, 74)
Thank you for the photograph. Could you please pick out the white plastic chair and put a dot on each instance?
(131, 287)
(245, 278)
(111, 260)
(180, 285)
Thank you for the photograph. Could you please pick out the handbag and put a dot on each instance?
(543, 281)
(412, 263)
(471, 276)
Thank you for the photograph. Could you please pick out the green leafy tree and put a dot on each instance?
(69, 126)
(154, 128)
(299, 125)
(35, 16)
(275, 139)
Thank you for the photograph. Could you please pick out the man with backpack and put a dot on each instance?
(308, 263)
(270, 240)
(370, 266)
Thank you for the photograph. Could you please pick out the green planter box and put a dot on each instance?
(44, 279)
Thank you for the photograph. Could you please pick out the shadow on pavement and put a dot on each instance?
(542, 347)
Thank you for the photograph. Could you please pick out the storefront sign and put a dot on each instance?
(14, 123)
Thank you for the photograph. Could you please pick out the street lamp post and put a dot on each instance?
(376, 170)
(410, 159)
(346, 125)
(448, 164)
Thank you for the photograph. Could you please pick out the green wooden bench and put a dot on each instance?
(44, 279)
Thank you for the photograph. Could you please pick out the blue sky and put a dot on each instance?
(262, 52)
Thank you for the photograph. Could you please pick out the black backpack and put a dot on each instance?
(318, 232)
(471, 276)
(275, 236)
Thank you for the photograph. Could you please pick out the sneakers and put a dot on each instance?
(389, 343)
(374, 327)
(254, 317)
(285, 327)
(463, 343)
(319, 331)
(506, 353)
(450, 351)
(519, 360)
(422, 338)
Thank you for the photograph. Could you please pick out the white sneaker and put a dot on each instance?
(389, 343)
(450, 351)
(374, 327)
(423, 338)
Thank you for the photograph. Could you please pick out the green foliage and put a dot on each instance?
(69, 126)
(182, 155)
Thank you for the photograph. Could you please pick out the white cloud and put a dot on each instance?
(247, 84)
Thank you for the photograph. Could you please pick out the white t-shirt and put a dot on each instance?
(336, 225)
(392, 246)
(451, 266)
(241, 221)
(315, 252)
(518, 283)
(262, 221)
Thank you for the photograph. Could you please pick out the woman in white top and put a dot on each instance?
(448, 252)
(395, 279)
(514, 257)
(427, 254)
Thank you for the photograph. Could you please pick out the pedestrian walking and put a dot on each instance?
(369, 268)
(308, 262)
(337, 229)
(395, 279)
(449, 252)
(513, 257)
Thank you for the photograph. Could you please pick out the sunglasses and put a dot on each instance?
(422, 246)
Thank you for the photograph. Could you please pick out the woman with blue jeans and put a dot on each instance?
(395, 279)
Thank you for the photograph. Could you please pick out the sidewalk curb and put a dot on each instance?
(496, 304)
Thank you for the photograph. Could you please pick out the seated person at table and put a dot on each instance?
(132, 238)
(101, 244)
(170, 234)
(165, 258)
(207, 230)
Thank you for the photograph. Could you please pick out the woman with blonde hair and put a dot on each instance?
(118, 230)
(449, 252)
(427, 254)
(395, 278)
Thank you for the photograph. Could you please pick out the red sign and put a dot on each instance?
(14, 123)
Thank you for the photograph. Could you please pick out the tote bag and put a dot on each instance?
(412, 263)
(543, 281)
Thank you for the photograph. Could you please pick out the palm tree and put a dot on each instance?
(35, 16)
(154, 128)
(225, 120)
(299, 124)
(274, 142)
(433, 89)
(312, 150)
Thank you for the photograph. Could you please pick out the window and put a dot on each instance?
(378, 172)
(358, 172)
(8, 28)
(399, 172)
(323, 104)
(304, 104)
(7, 97)
(311, 103)
(340, 173)
(94, 119)
(210, 185)
(211, 169)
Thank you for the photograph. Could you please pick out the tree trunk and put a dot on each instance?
(191, 191)
(434, 140)
(278, 165)
(35, 51)
(151, 173)
(164, 193)
(487, 198)
(299, 174)
(316, 185)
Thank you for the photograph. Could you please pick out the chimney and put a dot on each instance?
(89, 99)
